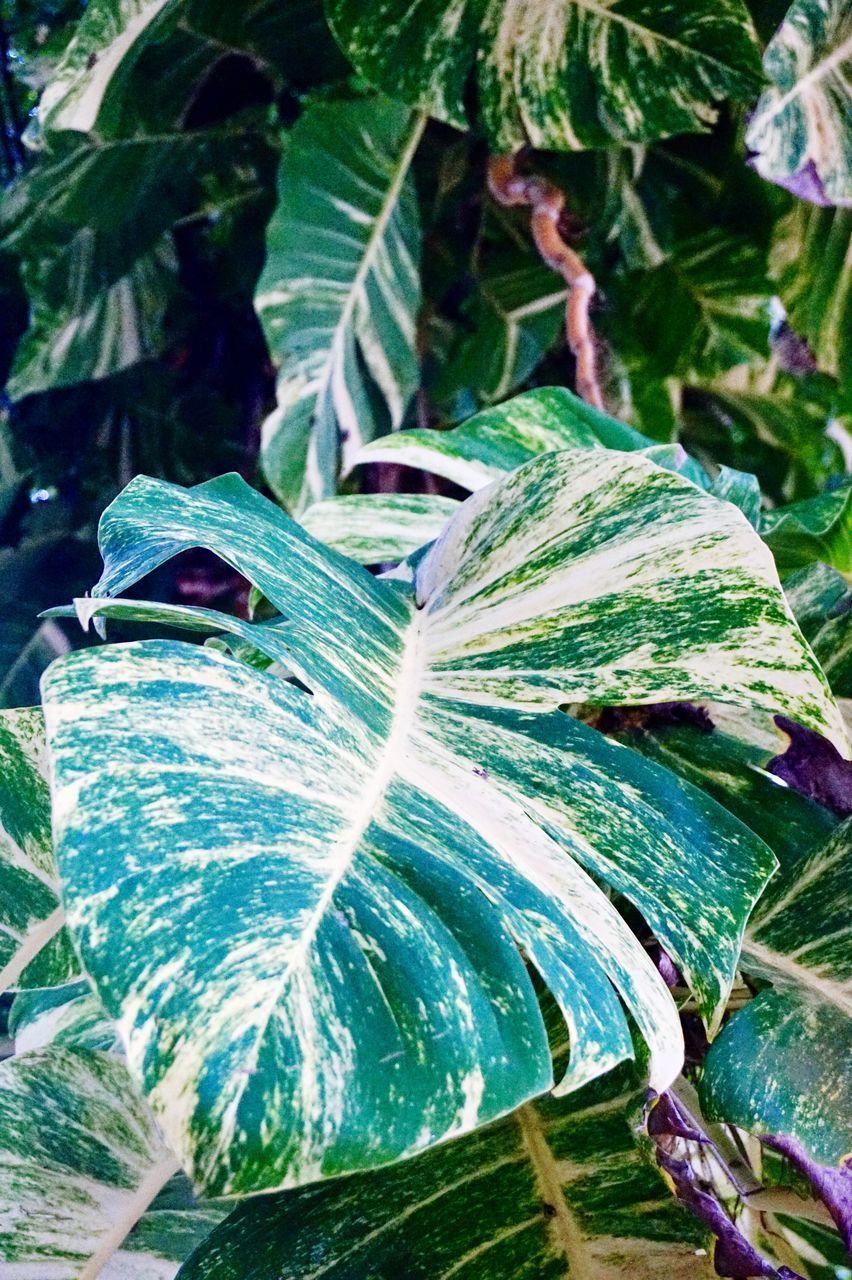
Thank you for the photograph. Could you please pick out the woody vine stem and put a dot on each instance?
(547, 202)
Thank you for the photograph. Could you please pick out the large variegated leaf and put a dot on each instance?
(562, 74)
(97, 60)
(376, 528)
(783, 1065)
(800, 132)
(381, 840)
(487, 446)
(339, 296)
(811, 261)
(81, 1160)
(558, 1188)
(33, 943)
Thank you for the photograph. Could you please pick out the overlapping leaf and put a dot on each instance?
(380, 840)
(81, 1162)
(811, 261)
(800, 132)
(340, 292)
(32, 940)
(783, 1065)
(556, 1188)
(567, 75)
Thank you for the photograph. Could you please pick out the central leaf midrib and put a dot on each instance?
(408, 683)
(563, 1226)
(374, 239)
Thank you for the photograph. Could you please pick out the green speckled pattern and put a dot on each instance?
(784, 1064)
(302, 908)
(559, 74)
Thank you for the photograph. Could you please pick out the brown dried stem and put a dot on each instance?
(509, 187)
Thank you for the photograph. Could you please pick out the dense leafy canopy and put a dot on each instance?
(483, 799)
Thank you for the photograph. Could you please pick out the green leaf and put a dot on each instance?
(557, 1188)
(339, 296)
(70, 1015)
(512, 319)
(31, 916)
(384, 840)
(80, 1162)
(822, 603)
(374, 528)
(704, 309)
(99, 300)
(811, 261)
(96, 64)
(800, 132)
(568, 75)
(495, 441)
(783, 1065)
(814, 529)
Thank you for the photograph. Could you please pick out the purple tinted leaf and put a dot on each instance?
(814, 768)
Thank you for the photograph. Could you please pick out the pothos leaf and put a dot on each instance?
(567, 75)
(31, 916)
(80, 1161)
(811, 262)
(815, 529)
(558, 1187)
(339, 296)
(383, 840)
(783, 1065)
(800, 132)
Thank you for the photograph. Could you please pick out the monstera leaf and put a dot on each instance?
(567, 75)
(33, 946)
(800, 132)
(783, 1065)
(301, 898)
(340, 293)
(87, 1185)
(559, 1187)
(390, 526)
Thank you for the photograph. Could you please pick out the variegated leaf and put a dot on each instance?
(375, 528)
(95, 65)
(822, 603)
(339, 296)
(497, 440)
(783, 1065)
(815, 529)
(800, 133)
(561, 74)
(384, 840)
(559, 1188)
(34, 947)
(811, 262)
(70, 1015)
(81, 1160)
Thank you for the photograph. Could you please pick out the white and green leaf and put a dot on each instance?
(811, 262)
(34, 947)
(783, 1065)
(81, 1160)
(559, 1187)
(385, 840)
(568, 75)
(800, 133)
(340, 292)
